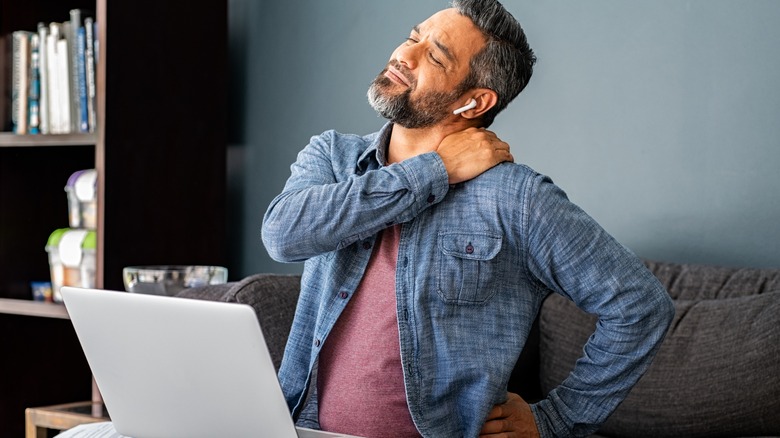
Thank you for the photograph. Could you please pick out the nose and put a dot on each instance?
(407, 54)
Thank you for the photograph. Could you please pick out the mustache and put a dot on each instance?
(404, 71)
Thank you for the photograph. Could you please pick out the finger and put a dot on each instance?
(493, 427)
(497, 428)
(502, 146)
(502, 156)
(496, 412)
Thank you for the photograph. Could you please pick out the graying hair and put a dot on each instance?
(506, 62)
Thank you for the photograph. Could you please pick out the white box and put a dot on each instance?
(72, 259)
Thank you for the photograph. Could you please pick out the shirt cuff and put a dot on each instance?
(427, 177)
(548, 421)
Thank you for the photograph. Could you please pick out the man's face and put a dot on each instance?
(424, 78)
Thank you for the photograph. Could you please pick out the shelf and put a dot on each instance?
(8, 139)
(159, 183)
(32, 308)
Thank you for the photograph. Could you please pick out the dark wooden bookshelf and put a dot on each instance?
(160, 153)
(11, 306)
(10, 140)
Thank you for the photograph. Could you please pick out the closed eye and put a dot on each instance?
(414, 39)
(435, 61)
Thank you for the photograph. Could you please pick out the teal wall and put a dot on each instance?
(658, 117)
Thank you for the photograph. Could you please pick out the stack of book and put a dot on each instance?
(52, 80)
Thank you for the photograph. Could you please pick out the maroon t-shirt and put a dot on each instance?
(360, 380)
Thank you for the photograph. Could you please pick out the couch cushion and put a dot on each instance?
(716, 374)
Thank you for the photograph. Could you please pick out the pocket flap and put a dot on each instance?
(471, 246)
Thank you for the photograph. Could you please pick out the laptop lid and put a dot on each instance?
(177, 367)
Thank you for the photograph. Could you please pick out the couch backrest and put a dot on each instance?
(717, 372)
(704, 282)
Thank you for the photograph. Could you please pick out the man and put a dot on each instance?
(428, 254)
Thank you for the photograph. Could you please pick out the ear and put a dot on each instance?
(486, 99)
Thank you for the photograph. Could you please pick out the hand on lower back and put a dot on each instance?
(511, 419)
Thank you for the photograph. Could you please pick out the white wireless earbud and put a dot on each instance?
(470, 105)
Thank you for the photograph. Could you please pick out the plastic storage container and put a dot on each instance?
(82, 199)
(71, 259)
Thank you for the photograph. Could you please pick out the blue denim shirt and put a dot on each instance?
(475, 262)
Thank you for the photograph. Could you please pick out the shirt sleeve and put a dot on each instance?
(325, 207)
(573, 256)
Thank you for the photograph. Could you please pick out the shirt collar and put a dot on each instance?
(377, 150)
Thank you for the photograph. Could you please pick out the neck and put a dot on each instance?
(407, 143)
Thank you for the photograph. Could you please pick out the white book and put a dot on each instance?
(63, 86)
(53, 79)
(43, 56)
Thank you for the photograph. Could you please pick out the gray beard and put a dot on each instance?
(428, 111)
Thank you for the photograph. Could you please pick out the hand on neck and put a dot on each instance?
(407, 143)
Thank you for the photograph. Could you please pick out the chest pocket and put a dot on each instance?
(465, 266)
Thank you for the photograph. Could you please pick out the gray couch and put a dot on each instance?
(716, 375)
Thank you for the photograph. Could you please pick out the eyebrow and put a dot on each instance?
(444, 49)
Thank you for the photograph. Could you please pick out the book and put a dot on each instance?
(83, 114)
(90, 62)
(5, 83)
(63, 86)
(72, 30)
(52, 78)
(43, 101)
(35, 87)
(59, 80)
(20, 80)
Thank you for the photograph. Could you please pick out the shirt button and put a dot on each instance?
(316, 342)
(469, 249)
(366, 245)
(431, 198)
(343, 295)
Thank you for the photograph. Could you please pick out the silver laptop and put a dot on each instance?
(177, 367)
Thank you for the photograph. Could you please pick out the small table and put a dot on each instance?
(62, 417)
